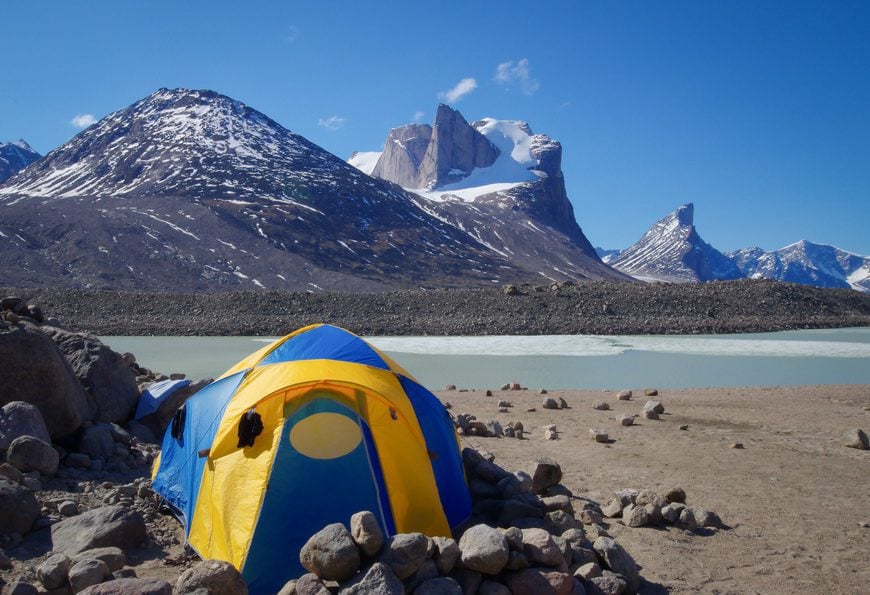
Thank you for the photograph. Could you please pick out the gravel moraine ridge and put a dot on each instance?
(592, 307)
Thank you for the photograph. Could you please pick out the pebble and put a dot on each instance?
(737, 445)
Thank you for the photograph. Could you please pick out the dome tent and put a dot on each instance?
(303, 433)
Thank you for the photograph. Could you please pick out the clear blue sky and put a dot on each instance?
(758, 112)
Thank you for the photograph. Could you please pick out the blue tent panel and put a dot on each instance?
(155, 394)
(181, 467)
(326, 342)
(443, 449)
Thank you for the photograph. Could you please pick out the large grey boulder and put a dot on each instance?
(378, 578)
(27, 453)
(21, 419)
(130, 586)
(619, 561)
(442, 585)
(405, 553)
(447, 554)
(107, 378)
(366, 532)
(101, 527)
(331, 553)
(484, 549)
(35, 371)
(214, 577)
(114, 557)
(18, 508)
(97, 441)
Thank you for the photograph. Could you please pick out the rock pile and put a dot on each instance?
(641, 508)
(523, 537)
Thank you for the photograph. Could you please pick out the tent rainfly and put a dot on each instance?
(303, 433)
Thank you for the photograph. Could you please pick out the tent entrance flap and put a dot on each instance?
(324, 442)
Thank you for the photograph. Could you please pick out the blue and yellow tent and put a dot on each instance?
(303, 433)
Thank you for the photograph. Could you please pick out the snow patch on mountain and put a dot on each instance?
(365, 161)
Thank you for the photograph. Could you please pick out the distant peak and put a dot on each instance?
(685, 214)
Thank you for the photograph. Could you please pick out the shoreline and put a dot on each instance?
(587, 308)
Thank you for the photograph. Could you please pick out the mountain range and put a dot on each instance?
(673, 251)
(191, 190)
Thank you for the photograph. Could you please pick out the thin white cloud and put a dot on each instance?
(292, 34)
(418, 116)
(462, 88)
(332, 122)
(516, 73)
(83, 120)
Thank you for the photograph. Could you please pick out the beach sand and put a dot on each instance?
(793, 496)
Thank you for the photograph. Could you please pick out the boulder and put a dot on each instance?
(601, 405)
(35, 371)
(856, 439)
(130, 586)
(405, 553)
(484, 549)
(21, 419)
(447, 554)
(443, 585)
(331, 553)
(550, 403)
(599, 436)
(626, 420)
(378, 578)
(635, 516)
(540, 549)
(654, 406)
(114, 557)
(19, 587)
(619, 561)
(624, 395)
(53, 571)
(540, 581)
(366, 532)
(86, 573)
(609, 583)
(214, 577)
(545, 472)
(108, 526)
(18, 508)
(107, 378)
(27, 453)
(97, 441)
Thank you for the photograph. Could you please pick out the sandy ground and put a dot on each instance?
(793, 497)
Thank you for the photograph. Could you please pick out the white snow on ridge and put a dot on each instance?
(365, 161)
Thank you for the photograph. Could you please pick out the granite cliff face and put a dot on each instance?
(497, 181)
(14, 157)
(420, 156)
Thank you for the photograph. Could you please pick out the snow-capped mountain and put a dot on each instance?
(14, 157)
(671, 250)
(806, 263)
(497, 181)
(193, 190)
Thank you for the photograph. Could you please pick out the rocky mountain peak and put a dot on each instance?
(15, 156)
(423, 156)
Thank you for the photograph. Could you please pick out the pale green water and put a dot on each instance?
(836, 356)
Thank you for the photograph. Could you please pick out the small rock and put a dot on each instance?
(543, 391)
(613, 508)
(624, 395)
(450, 387)
(619, 561)
(442, 585)
(651, 392)
(379, 578)
(650, 414)
(366, 532)
(609, 583)
(676, 494)
(19, 587)
(27, 453)
(540, 580)
(516, 386)
(488, 393)
(307, 584)
(539, 548)
(505, 404)
(114, 557)
(590, 516)
(706, 518)
(687, 519)
(856, 439)
(18, 508)
(600, 405)
(447, 554)
(635, 516)
(5, 562)
(654, 406)
(599, 435)
(545, 473)
(68, 508)
(405, 553)
(211, 576)
(684, 427)
(737, 445)
(551, 434)
(550, 403)
(588, 571)
(627, 420)
(671, 512)
(130, 586)
(563, 404)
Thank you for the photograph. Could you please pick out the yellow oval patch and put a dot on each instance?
(325, 436)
